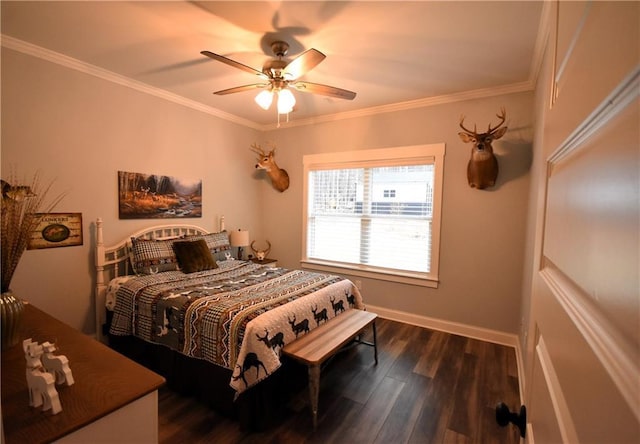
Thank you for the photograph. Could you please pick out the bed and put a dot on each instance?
(171, 298)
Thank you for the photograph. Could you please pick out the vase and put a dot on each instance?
(11, 312)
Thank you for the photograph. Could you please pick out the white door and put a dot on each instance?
(583, 360)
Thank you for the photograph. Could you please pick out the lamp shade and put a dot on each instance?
(286, 101)
(264, 99)
(239, 238)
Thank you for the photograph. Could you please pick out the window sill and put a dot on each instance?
(401, 278)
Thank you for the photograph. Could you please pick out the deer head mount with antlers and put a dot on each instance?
(266, 161)
(482, 169)
(261, 254)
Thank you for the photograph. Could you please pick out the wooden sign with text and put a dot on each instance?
(56, 230)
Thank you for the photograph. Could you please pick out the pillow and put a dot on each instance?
(194, 256)
(218, 243)
(153, 256)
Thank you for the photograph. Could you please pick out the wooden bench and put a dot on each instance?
(320, 344)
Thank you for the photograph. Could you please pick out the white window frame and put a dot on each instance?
(432, 153)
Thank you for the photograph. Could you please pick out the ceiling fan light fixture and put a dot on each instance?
(286, 101)
(282, 75)
(264, 99)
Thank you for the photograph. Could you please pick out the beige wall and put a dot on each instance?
(82, 130)
(483, 232)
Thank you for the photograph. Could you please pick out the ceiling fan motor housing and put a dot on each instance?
(274, 68)
(280, 48)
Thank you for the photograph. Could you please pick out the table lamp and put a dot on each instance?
(240, 239)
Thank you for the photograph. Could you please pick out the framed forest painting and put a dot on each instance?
(152, 196)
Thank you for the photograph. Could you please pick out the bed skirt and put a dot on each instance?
(259, 408)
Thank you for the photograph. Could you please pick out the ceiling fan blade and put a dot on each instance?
(233, 63)
(302, 64)
(238, 89)
(325, 90)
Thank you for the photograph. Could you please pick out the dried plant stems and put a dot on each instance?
(20, 207)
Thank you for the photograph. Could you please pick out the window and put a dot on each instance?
(375, 213)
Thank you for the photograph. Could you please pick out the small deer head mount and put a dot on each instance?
(279, 177)
(482, 169)
(261, 254)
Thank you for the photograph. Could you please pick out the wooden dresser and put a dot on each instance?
(113, 399)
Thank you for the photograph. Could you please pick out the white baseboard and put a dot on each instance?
(469, 331)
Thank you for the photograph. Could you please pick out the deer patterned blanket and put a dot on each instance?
(238, 316)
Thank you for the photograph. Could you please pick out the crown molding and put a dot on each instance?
(110, 76)
(525, 86)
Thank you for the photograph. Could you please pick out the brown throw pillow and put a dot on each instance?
(194, 256)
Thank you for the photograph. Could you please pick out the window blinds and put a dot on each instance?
(375, 216)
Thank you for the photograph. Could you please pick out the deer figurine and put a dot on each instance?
(279, 177)
(56, 365)
(482, 169)
(41, 384)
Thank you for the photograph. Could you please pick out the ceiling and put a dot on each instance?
(393, 54)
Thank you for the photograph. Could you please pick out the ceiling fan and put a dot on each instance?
(279, 76)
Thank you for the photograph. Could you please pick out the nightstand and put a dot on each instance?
(273, 263)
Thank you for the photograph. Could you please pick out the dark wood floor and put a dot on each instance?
(428, 387)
